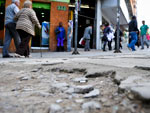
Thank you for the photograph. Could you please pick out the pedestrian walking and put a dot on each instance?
(10, 28)
(60, 35)
(87, 36)
(143, 31)
(69, 36)
(26, 19)
(108, 36)
(125, 35)
(133, 30)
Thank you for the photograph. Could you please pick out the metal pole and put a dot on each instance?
(75, 52)
(41, 43)
(118, 28)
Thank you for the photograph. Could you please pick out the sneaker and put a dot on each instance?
(29, 56)
(134, 50)
(7, 56)
(129, 48)
(19, 56)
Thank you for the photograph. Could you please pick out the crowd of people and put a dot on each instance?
(133, 37)
(19, 24)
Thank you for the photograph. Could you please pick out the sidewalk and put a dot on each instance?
(82, 53)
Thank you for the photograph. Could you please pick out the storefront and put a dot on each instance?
(50, 12)
(2, 14)
(86, 16)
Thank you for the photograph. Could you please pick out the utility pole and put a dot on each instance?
(118, 28)
(75, 52)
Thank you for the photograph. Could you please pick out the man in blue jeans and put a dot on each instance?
(133, 30)
(133, 40)
(10, 27)
(69, 36)
(144, 28)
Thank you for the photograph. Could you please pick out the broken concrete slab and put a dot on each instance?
(92, 94)
(91, 105)
(83, 89)
(110, 73)
(142, 93)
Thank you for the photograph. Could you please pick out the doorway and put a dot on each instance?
(86, 16)
(43, 14)
(2, 16)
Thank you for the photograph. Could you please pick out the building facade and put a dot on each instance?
(51, 11)
(96, 12)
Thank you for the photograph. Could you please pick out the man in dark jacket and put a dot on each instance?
(133, 33)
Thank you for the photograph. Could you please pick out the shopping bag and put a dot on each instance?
(148, 37)
(82, 42)
(110, 36)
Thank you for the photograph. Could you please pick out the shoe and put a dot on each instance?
(129, 48)
(19, 56)
(7, 56)
(134, 50)
(142, 48)
(147, 46)
(29, 56)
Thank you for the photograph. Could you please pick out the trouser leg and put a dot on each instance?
(58, 44)
(87, 47)
(23, 48)
(14, 34)
(105, 42)
(133, 41)
(109, 45)
(142, 42)
(7, 41)
(69, 44)
(145, 41)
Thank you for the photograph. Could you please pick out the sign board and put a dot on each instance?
(61, 8)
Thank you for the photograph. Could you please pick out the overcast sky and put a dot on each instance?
(143, 11)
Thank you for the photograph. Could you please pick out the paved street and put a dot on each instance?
(92, 82)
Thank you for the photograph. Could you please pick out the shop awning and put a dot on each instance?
(109, 11)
